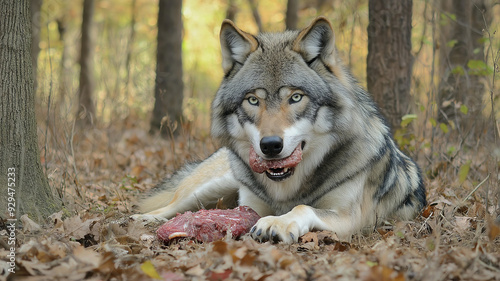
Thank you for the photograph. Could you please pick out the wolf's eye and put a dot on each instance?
(253, 100)
(295, 98)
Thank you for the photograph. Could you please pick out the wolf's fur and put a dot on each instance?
(291, 90)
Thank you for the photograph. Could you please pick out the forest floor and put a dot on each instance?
(92, 238)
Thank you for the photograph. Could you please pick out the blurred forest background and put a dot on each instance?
(124, 36)
(453, 104)
(123, 59)
(96, 67)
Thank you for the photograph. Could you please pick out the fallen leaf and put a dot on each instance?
(428, 211)
(383, 273)
(463, 223)
(196, 271)
(309, 237)
(29, 225)
(74, 226)
(219, 247)
(493, 229)
(149, 269)
(85, 255)
(172, 276)
(238, 253)
(218, 276)
(57, 221)
(328, 237)
(136, 171)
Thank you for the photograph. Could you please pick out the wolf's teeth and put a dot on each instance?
(279, 172)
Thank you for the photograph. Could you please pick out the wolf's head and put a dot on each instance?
(282, 95)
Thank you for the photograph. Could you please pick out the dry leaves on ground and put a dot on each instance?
(93, 239)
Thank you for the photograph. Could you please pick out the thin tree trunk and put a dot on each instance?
(389, 61)
(129, 46)
(21, 173)
(64, 82)
(169, 86)
(256, 14)
(86, 110)
(292, 17)
(231, 10)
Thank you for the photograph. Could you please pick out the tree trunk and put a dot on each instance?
(460, 85)
(256, 15)
(21, 174)
(130, 43)
(169, 86)
(231, 10)
(36, 6)
(86, 109)
(389, 61)
(64, 71)
(292, 17)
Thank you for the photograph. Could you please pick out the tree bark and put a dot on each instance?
(256, 15)
(86, 109)
(169, 86)
(389, 61)
(36, 6)
(292, 17)
(64, 71)
(20, 167)
(130, 43)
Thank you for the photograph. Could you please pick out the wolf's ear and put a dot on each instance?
(317, 41)
(236, 45)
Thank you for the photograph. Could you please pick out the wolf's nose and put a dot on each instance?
(271, 146)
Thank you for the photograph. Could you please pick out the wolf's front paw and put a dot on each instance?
(277, 228)
(147, 219)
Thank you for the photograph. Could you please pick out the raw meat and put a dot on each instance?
(259, 165)
(209, 225)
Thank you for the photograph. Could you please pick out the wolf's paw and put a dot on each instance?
(277, 228)
(147, 219)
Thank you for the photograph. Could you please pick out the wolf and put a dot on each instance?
(303, 144)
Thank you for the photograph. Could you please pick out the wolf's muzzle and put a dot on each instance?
(271, 146)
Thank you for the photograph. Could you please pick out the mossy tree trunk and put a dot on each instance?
(20, 167)
(36, 7)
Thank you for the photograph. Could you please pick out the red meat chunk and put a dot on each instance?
(259, 165)
(209, 225)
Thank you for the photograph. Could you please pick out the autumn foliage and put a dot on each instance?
(456, 237)
(100, 172)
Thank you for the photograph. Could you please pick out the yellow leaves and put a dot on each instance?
(444, 127)
(407, 119)
(464, 172)
(149, 269)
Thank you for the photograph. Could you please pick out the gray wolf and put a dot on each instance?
(303, 144)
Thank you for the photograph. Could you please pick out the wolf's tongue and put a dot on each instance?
(259, 165)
